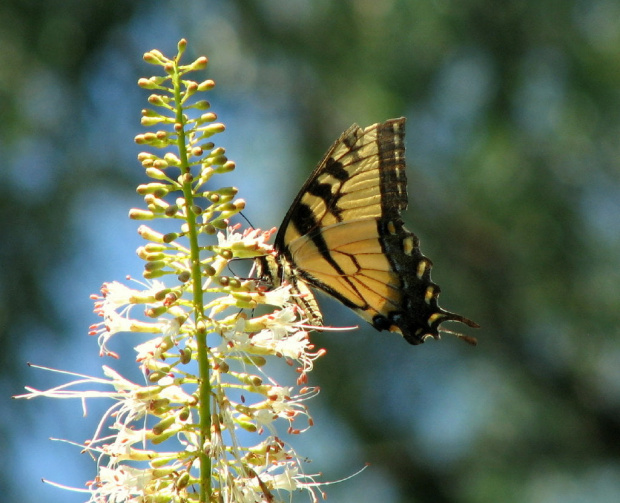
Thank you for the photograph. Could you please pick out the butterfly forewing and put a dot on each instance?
(344, 235)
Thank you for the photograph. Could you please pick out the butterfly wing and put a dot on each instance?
(344, 235)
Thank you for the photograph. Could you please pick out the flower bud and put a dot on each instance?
(202, 104)
(150, 121)
(155, 265)
(227, 167)
(170, 237)
(172, 159)
(246, 423)
(206, 85)
(211, 129)
(184, 277)
(152, 187)
(163, 425)
(136, 214)
(150, 235)
(186, 355)
(182, 481)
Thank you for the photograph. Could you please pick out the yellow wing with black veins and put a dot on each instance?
(344, 235)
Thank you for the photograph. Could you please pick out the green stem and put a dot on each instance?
(204, 389)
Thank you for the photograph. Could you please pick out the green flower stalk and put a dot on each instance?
(175, 437)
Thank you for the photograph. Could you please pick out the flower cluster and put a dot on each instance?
(177, 436)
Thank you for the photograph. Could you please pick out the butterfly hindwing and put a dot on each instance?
(344, 235)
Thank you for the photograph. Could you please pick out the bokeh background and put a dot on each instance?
(513, 139)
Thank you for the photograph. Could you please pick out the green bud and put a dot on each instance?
(154, 312)
(137, 214)
(171, 210)
(155, 266)
(226, 167)
(246, 424)
(171, 432)
(202, 105)
(208, 117)
(219, 160)
(184, 414)
(158, 100)
(150, 235)
(150, 121)
(217, 152)
(225, 207)
(154, 274)
(147, 393)
(210, 130)
(161, 294)
(184, 277)
(182, 481)
(156, 173)
(228, 191)
(252, 380)
(153, 57)
(242, 296)
(170, 237)
(208, 270)
(191, 87)
(147, 83)
(200, 63)
(209, 229)
(169, 68)
(149, 112)
(156, 463)
(246, 305)
(142, 156)
(150, 188)
(156, 376)
(186, 355)
(206, 85)
(258, 361)
(172, 159)
(163, 425)
(155, 204)
(155, 248)
(158, 474)
(160, 164)
(181, 46)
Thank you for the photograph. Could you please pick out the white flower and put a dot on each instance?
(278, 297)
(121, 484)
(250, 243)
(114, 307)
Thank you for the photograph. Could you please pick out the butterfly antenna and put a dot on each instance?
(233, 273)
(246, 219)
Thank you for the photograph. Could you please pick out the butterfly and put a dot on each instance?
(344, 235)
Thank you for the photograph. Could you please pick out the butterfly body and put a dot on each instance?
(344, 235)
